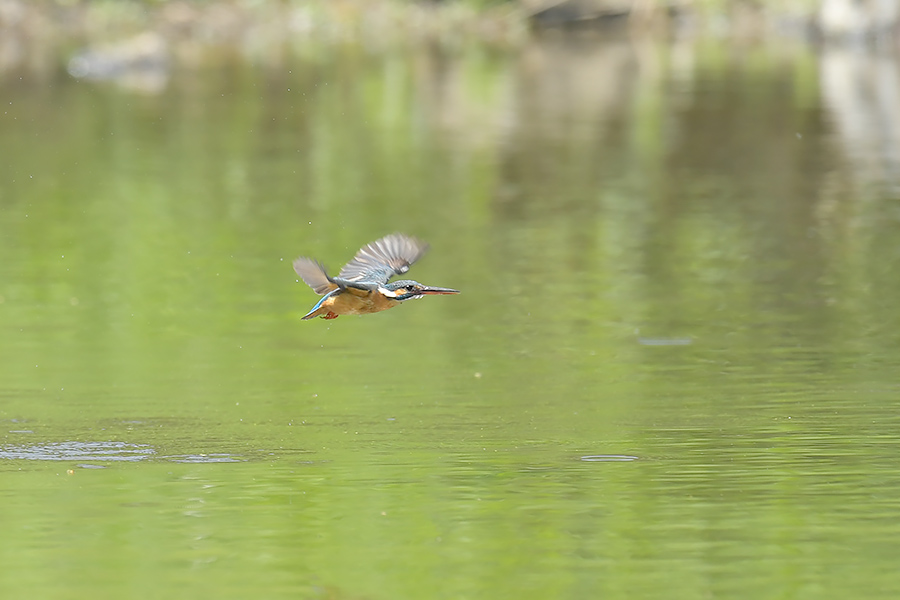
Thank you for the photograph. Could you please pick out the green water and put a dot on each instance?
(671, 373)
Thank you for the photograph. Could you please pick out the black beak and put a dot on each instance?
(437, 290)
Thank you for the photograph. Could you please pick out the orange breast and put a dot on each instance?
(357, 302)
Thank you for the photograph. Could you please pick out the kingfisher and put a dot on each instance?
(362, 285)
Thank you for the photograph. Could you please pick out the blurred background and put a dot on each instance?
(672, 371)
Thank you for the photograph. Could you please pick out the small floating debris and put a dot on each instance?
(609, 458)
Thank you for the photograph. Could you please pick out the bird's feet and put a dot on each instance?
(330, 315)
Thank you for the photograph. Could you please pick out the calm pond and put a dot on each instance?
(672, 371)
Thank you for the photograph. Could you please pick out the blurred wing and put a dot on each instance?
(381, 260)
(313, 274)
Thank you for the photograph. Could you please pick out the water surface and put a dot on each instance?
(672, 371)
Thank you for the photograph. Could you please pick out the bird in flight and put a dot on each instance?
(362, 285)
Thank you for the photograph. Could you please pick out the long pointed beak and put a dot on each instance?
(438, 290)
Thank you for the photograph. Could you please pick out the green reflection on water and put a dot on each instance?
(434, 450)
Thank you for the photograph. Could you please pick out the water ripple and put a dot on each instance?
(108, 451)
(203, 458)
(104, 451)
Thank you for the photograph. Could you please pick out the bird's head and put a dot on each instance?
(406, 289)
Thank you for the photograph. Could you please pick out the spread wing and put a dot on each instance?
(313, 274)
(381, 260)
